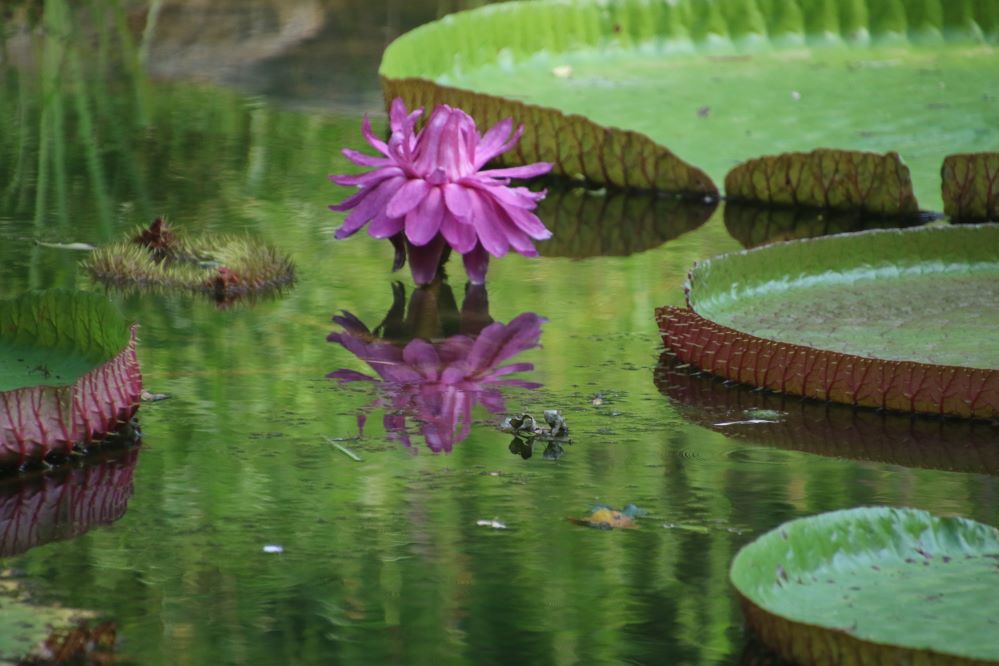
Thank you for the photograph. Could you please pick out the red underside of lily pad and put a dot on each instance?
(50, 506)
(828, 375)
(39, 421)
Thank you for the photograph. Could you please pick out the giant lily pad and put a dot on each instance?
(891, 319)
(623, 91)
(68, 373)
(873, 585)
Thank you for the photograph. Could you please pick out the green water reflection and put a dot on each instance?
(383, 560)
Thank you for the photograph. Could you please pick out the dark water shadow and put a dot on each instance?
(63, 503)
(433, 363)
(614, 223)
(829, 429)
(754, 225)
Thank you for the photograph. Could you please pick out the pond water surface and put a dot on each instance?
(408, 555)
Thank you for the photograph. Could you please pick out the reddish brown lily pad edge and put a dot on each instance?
(872, 585)
(47, 505)
(849, 264)
(69, 374)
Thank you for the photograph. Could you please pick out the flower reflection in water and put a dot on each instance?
(434, 363)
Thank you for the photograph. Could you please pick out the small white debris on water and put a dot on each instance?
(562, 71)
(795, 95)
(746, 422)
(495, 524)
(273, 548)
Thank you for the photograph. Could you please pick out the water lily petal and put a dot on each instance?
(492, 142)
(383, 226)
(368, 178)
(420, 355)
(370, 137)
(476, 265)
(374, 202)
(425, 260)
(460, 236)
(366, 160)
(529, 223)
(526, 171)
(424, 221)
(407, 197)
(457, 199)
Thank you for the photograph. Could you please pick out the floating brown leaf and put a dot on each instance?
(827, 178)
(971, 186)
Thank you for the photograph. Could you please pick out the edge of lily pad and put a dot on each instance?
(575, 145)
(803, 642)
(904, 386)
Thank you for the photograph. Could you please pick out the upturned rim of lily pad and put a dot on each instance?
(426, 65)
(786, 366)
(48, 416)
(849, 564)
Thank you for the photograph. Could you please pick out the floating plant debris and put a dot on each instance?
(603, 517)
(225, 268)
(873, 585)
(35, 633)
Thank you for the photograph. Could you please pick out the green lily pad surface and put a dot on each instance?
(68, 373)
(874, 585)
(722, 81)
(53, 339)
(927, 294)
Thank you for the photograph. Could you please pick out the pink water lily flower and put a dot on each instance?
(429, 189)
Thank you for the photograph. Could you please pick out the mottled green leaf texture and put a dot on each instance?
(633, 93)
(874, 585)
(585, 223)
(52, 337)
(833, 179)
(971, 187)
